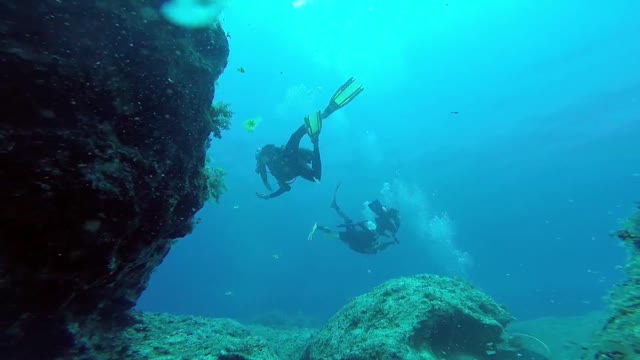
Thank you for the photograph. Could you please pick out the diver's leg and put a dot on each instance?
(313, 173)
(291, 149)
(334, 206)
(334, 202)
(316, 162)
(324, 229)
(328, 231)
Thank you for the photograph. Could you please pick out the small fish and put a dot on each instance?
(275, 256)
(228, 35)
(241, 70)
(251, 124)
(228, 293)
(455, 112)
(235, 207)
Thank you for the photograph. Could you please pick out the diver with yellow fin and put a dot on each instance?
(365, 236)
(286, 163)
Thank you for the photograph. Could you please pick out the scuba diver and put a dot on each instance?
(288, 162)
(365, 236)
(387, 220)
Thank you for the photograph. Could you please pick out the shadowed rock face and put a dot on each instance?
(104, 125)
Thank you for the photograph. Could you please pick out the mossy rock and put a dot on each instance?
(418, 317)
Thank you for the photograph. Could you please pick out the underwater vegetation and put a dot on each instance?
(215, 182)
(220, 118)
(106, 120)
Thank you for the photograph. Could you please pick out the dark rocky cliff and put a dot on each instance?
(106, 117)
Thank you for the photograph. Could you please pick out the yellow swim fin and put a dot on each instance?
(345, 93)
(313, 231)
(313, 123)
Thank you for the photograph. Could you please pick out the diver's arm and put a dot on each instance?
(389, 234)
(363, 225)
(284, 187)
(262, 170)
(383, 245)
(352, 224)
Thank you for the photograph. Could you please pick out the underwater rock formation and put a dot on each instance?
(177, 337)
(165, 336)
(419, 317)
(105, 121)
(620, 336)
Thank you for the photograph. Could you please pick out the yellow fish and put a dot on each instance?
(251, 124)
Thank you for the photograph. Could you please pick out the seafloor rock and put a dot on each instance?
(620, 336)
(287, 343)
(419, 317)
(164, 336)
(558, 338)
(105, 120)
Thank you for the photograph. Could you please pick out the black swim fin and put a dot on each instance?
(334, 202)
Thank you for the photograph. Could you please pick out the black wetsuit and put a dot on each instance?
(387, 220)
(361, 239)
(288, 162)
(358, 236)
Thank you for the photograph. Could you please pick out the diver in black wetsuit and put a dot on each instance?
(365, 236)
(288, 162)
(387, 220)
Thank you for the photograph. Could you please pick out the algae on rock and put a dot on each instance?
(165, 336)
(620, 335)
(419, 317)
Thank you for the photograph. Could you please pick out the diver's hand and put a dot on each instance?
(262, 196)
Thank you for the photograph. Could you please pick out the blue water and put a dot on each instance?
(517, 193)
